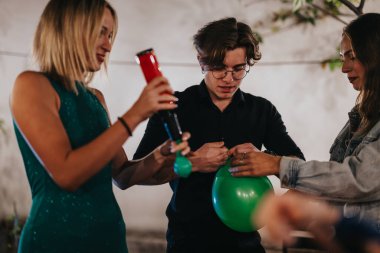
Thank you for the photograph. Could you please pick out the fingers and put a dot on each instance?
(282, 214)
(185, 151)
(242, 171)
(156, 96)
(165, 106)
(170, 148)
(165, 149)
(214, 151)
(166, 98)
(217, 144)
(160, 85)
(186, 136)
(241, 165)
(270, 214)
(242, 158)
(222, 157)
(232, 151)
(242, 148)
(217, 155)
(183, 146)
(160, 81)
(163, 95)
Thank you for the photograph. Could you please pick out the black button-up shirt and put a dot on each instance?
(246, 119)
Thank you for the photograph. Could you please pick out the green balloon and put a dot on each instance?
(235, 199)
(182, 165)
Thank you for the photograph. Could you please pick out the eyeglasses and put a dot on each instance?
(238, 73)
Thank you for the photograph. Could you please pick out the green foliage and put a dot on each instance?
(309, 12)
(297, 4)
(259, 37)
(10, 231)
(333, 63)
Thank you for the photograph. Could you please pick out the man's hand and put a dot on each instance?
(209, 157)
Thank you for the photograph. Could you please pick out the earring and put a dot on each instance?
(203, 71)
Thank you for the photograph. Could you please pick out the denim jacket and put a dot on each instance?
(350, 180)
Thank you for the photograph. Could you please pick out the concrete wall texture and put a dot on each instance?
(313, 101)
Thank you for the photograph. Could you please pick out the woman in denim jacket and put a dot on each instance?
(351, 179)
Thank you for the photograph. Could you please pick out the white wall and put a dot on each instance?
(313, 101)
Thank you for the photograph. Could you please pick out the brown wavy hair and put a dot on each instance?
(364, 33)
(217, 37)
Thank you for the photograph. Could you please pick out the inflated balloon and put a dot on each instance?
(235, 199)
(182, 165)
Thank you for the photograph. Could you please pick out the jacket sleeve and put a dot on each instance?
(356, 179)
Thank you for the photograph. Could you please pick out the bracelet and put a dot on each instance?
(125, 125)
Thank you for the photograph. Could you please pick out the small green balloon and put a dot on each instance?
(182, 165)
(235, 199)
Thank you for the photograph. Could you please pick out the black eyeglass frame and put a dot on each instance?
(246, 69)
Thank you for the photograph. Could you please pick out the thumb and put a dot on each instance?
(217, 144)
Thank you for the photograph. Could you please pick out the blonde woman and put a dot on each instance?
(71, 151)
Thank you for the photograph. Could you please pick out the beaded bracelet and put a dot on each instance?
(125, 125)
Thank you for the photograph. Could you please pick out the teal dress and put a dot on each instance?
(87, 220)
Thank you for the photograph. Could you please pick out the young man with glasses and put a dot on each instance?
(219, 116)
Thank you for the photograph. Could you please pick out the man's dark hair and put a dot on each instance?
(216, 38)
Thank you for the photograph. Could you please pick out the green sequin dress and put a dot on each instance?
(87, 220)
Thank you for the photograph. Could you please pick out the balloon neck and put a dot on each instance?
(182, 165)
(223, 169)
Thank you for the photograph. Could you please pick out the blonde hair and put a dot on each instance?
(65, 39)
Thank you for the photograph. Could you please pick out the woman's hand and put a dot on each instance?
(243, 148)
(253, 163)
(156, 96)
(171, 147)
(295, 211)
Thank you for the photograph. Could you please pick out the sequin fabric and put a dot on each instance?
(87, 220)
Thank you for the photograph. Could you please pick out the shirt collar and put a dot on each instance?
(204, 94)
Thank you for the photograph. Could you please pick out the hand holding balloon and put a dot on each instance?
(171, 147)
(253, 163)
(209, 157)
